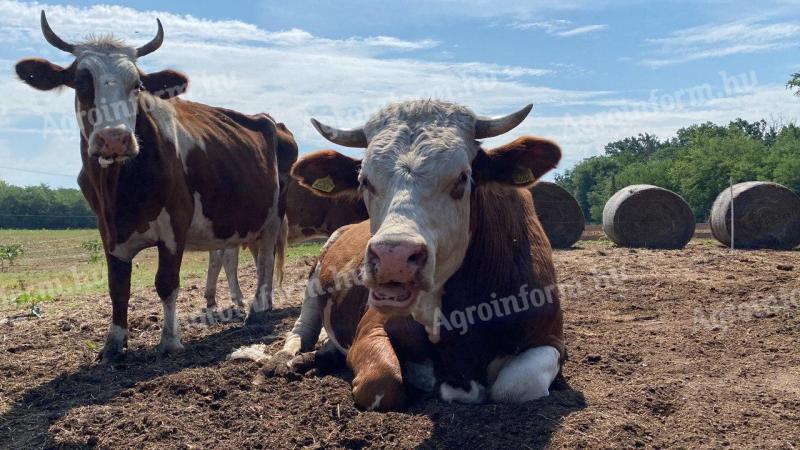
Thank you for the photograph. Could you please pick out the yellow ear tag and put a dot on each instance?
(522, 175)
(324, 184)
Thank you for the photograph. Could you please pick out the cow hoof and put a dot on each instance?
(211, 315)
(280, 365)
(111, 355)
(379, 394)
(169, 348)
(257, 318)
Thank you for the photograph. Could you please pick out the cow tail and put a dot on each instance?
(280, 250)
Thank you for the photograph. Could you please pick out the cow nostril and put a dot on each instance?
(419, 258)
(372, 258)
(126, 139)
(100, 141)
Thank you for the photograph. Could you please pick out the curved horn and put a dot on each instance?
(348, 138)
(153, 45)
(486, 127)
(53, 38)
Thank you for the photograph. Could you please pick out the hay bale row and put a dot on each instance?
(559, 213)
(766, 215)
(648, 216)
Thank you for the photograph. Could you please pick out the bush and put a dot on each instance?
(9, 254)
(696, 164)
(94, 248)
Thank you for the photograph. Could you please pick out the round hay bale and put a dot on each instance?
(559, 213)
(766, 215)
(648, 216)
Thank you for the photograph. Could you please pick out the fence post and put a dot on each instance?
(733, 225)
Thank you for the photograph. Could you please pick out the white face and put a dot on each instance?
(416, 183)
(107, 86)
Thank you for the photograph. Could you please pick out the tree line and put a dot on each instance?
(697, 163)
(41, 207)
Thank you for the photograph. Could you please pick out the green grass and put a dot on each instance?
(60, 264)
(303, 250)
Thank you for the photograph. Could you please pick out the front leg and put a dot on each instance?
(378, 379)
(167, 287)
(305, 332)
(119, 289)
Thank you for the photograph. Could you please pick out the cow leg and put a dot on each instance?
(119, 289)
(230, 261)
(215, 258)
(378, 379)
(527, 377)
(265, 264)
(167, 287)
(305, 333)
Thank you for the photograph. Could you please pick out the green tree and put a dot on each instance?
(697, 163)
(40, 207)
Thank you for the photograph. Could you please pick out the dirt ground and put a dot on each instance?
(696, 348)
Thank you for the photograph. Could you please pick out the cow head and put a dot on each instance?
(107, 84)
(421, 163)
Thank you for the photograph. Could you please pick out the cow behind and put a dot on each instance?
(161, 172)
(308, 216)
(452, 233)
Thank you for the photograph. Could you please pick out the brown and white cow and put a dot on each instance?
(452, 267)
(166, 173)
(308, 216)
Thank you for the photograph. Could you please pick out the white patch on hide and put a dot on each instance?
(159, 229)
(526, 377)
(476, 394)
(376, 403)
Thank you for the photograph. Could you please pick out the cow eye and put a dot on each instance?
(365, 185)
(458, 190)
(84, 84)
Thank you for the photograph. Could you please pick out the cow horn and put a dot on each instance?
(486, 127)
(348, 138)
(153, 45)
(53, 38)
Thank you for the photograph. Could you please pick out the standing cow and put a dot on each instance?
(452, 266)
(161, 172)
(308, 216)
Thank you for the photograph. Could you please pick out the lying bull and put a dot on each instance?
(452, 267)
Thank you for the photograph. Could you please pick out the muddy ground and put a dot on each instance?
(693, 348)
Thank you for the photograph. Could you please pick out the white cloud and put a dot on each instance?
(559, 27)
(295, 75)
(584, 135)
(718, 40)
(292, 74)
(20, 23)
(582, 30)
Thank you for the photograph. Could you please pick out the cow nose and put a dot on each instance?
(397, 262)
(113, 142)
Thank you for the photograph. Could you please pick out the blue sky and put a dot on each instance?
(595, 70)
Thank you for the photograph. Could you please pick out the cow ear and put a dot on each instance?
(328, 173)
(44, 75)
(165, 84)
(519, 163)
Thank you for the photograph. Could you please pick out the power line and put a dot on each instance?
(57, 216)
(38, 172)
